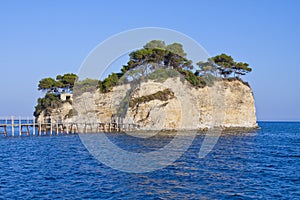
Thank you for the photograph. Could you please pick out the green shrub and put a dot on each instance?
(72, 113)
(161, 74)
(209, 79)
(49, 102)
(87, 85)
(108, 83)
(160, 95)
(238, 79)
(191, 77)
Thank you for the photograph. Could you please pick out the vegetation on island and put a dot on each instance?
(63, 83)
(53, 88)
(155, 61)
(163, 95)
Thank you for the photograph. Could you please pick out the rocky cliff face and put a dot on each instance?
(172, 104)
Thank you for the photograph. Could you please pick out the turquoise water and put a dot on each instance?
(264, 164)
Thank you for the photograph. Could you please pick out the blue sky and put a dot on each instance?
(44, 38)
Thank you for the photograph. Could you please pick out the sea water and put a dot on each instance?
(261, 164)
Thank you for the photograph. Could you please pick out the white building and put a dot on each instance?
(66, 97)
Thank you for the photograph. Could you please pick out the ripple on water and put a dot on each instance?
(262, 164)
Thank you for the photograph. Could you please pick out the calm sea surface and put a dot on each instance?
(264, 164)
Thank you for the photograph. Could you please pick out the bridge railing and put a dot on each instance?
(11, 126)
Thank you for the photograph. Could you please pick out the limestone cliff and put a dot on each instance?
(172, 104)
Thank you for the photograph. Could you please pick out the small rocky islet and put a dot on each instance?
(158, 89)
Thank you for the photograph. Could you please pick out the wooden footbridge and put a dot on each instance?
(11, 126)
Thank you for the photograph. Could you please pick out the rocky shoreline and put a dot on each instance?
(228, 105)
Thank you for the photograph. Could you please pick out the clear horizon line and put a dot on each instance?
(278, 120)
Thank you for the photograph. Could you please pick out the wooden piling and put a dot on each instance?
(12, 126)
(66, 126)
(51, 126)
(5, 131)
(40, 129)
(33, 128)
(56, 126)
(20, 127)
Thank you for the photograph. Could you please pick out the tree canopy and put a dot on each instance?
(67, 81)
(107, 84)
(157, 55)
(155, 61)
(155, 44)
(153, 56)
(48, 84)
(53, 88)
(224, 66)
(63, 83)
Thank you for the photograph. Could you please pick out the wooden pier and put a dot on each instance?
(28, 126)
